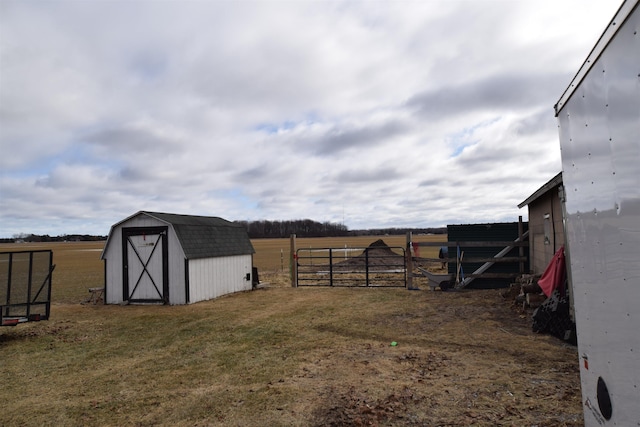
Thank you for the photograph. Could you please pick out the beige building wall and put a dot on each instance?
(546, 230)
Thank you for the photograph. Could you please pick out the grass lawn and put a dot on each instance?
(283, 356)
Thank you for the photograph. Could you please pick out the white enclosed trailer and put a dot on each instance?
(599, 126)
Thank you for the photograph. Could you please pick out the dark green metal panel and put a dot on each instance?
(497, 232)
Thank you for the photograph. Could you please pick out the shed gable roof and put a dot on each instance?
(206, 236)
(200, 236)
(551, 184)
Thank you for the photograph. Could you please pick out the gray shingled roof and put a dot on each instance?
(206, 236)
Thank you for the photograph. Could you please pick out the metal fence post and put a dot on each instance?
(366, 263)
(293, 262)
(330, 267)
(408, 262)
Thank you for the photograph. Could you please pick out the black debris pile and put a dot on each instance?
(553, 317)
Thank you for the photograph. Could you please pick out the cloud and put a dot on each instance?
(495, 93)
(386, 113)
(132, 138)
(339, 137)
(375, 174)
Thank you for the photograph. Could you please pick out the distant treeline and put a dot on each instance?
(398, 231)
(310, 228)
(37, 238)
(256, 230)
(299, 227)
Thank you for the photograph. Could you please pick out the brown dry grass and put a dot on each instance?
(283, 356)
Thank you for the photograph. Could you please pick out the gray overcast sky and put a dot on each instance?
(378, 113)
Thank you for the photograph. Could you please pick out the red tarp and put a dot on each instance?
(553, 277)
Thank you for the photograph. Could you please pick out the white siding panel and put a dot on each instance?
(213, 277)
(113, 270)
(176, 279)
(143, 221)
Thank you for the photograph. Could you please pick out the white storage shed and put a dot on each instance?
(153, 257)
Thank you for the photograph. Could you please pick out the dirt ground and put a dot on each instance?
(470, 358)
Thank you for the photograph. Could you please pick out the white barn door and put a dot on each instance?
(145, 272)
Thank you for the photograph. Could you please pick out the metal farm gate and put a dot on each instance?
(372, 266)
(25, 286)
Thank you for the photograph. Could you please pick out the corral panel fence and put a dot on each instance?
(25, 286)
(476, 255)
(351, 267)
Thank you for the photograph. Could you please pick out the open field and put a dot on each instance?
(283, 356)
